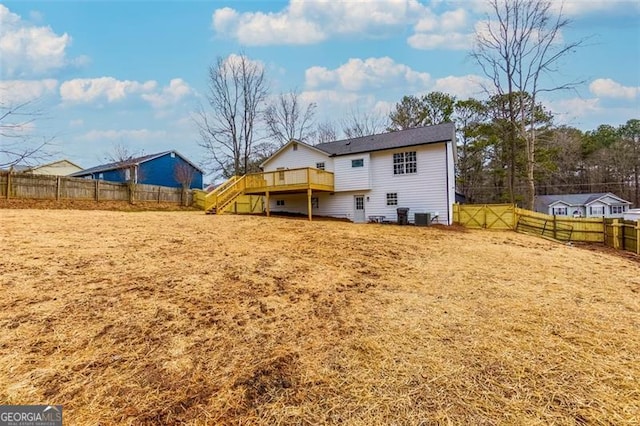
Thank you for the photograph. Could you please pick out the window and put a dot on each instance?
(392, 198)
(560, 211)
(295, 146)
(320, 165)
(279, 202)
(596, 211)
(357, 163)
(405, 163)
(616, 209)
(173, 155)
(127, 174)
(101, 176)
(314, 202)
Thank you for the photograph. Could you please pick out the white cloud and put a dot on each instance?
(138, 135)
(447, 31)
(18, 91)
(29, 50)
(83, 90)
(463, 87)
(451, 41)
(307, 22)
(371, 73)
(607, 88)
(176, 91)
(582, 7)
(76, 123)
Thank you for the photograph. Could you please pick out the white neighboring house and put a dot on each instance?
(604, 204)
(56, 168)
(375, 175)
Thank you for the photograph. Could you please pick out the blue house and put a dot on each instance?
(167, 168)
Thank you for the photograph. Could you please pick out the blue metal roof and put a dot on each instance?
(131, 162)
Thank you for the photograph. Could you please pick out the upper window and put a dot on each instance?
(295, 146)
(560, 211)
(357, 163)
(405, 163)
(392, 198)
(320, 165)
(616, 209)
(596, 210)
(173, 155)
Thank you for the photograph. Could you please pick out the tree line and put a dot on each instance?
(492, 167)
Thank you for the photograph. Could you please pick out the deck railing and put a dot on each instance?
(282, 180)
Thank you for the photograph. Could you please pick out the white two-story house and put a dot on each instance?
(373, 176)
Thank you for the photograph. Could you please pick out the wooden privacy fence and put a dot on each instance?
(44, 187)
(617, 233)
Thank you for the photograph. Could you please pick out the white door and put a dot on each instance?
(358, 204)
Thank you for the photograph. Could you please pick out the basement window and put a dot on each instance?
(392, 198)
(279, 202)
(314, 202)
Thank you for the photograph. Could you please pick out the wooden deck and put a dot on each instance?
(305, 180)
(291, 180)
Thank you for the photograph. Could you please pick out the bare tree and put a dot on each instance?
(17, 142)
(326, 132)
(287, 118)
(519, 43)
(237, 92)
(184, 173)
(125, 161)
(357, 124)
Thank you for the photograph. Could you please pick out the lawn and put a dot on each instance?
(180, 317)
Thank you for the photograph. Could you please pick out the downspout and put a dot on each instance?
(446, 159)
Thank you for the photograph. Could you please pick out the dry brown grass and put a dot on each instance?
(178, 317)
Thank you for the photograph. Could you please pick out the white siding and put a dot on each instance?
(349, 178)
(339, 205)
(425, 191)
(302, 157)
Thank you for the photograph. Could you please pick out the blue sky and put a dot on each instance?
(132, 73)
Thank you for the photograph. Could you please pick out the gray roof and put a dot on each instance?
(544, 201)
(131, 162)
(400, 139)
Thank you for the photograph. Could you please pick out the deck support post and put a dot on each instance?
(267, 203)
(309, 192)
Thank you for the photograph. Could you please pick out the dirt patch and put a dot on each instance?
(182, 317)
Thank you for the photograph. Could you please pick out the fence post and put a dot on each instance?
(616, 233)
(8, 184)
(555, 228)
(484, 216)
(159, 189)
(57, 188)
(638, 237)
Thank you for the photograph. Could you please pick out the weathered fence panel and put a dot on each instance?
(490, 216)
(617, 233)
(63, 187)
